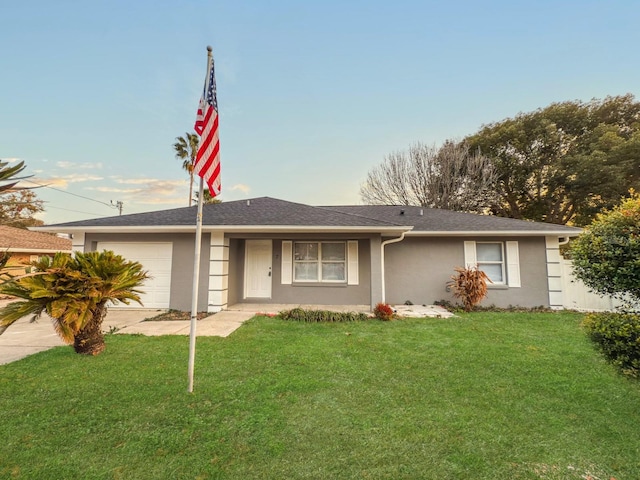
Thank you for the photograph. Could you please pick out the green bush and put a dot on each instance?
(606, 256)
(315, 316)
(618, 336)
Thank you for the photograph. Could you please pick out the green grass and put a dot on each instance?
(482, 396)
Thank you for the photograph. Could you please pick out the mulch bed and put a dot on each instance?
(175, 315)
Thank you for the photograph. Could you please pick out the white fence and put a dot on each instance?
(577, 295)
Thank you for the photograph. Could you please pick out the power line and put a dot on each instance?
(74, 194)
(78, 211)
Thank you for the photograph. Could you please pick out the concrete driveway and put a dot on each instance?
(25, 338)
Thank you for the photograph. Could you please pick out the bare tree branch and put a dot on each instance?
(448, 177)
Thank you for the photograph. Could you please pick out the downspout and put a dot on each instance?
(382, 245)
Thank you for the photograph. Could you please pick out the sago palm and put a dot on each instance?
(186, 150)
(74, 291)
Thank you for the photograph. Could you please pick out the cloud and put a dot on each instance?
(241, 187)
(116, 190)
(11, 159)
(81, 166)
(81, 177)
(63, 181)
(147, 191)
(145, 181)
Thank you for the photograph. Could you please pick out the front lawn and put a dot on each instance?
(481, 396)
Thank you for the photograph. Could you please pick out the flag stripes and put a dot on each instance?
(207, 164)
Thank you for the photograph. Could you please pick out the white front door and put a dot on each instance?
(257, 269)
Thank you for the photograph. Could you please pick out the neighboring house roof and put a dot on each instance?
(270, 214)
(20, 240)
(427, 221)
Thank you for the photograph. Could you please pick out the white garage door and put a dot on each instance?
(156, 259)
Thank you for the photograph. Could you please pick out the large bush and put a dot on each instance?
(606, 256)
(618, 337)
(469, 284)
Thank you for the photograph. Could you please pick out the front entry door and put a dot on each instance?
(257, 270)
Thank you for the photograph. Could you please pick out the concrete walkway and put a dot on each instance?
(25, 338)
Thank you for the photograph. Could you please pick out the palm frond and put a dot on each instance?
(73, 289)
(18, 309)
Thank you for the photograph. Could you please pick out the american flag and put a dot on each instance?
(207, 164)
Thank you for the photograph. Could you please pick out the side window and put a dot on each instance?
(499, 260)
(490, 257)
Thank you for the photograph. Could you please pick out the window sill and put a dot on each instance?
(497, 287)
(319, 284)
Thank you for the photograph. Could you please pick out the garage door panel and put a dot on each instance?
(156, 259)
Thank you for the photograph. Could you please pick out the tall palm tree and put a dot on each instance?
(186, 150)
(206, 198)
(74, 292)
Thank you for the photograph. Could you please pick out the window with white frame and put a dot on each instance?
(499, 260)
(319, 262)
(490, 257)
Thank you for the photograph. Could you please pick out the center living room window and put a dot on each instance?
(319, 261)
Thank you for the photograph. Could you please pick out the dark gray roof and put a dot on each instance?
(263, 211)
(436, 220)
(266, 211)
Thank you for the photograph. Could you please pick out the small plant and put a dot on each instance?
(470, 285)
(383, 311)
(617, 335)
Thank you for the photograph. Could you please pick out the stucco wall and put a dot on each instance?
(417, 269)
(181, 263)
(236, 270)
(320, 294)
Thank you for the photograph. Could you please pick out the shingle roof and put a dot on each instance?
(271, 212)
(436, 220)
(263, 211)
(20, 240)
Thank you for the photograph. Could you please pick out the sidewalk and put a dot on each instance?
(25, 338)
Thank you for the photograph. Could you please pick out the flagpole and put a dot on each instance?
(194, 290)
(196, 262)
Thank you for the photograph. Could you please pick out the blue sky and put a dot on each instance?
(312, 95)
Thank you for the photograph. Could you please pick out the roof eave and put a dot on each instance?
(226, 228)
(492, 233)
(38, 250)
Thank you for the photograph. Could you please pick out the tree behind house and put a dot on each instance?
(565, 162)
(450, 177)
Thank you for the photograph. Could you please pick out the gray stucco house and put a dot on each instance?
(265, 250)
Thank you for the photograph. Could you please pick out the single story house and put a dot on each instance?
(26, 246)
(266, 250)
